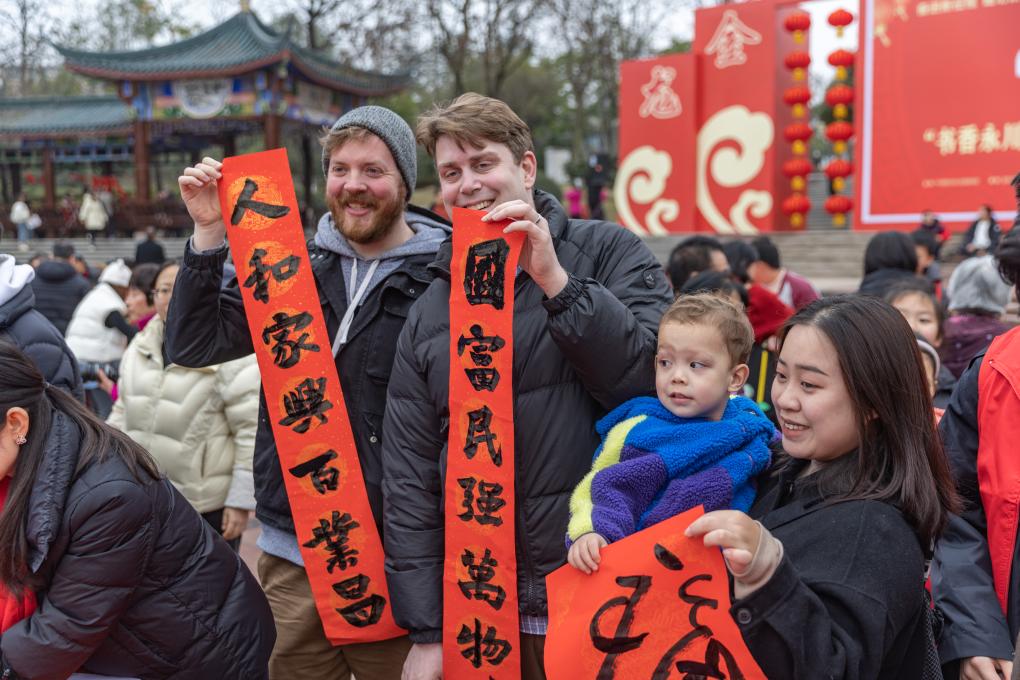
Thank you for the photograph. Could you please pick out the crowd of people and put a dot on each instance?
(833, 440)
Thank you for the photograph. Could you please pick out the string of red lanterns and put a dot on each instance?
(798, 133)
(840, 97)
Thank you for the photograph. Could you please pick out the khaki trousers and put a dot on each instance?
(302, 650)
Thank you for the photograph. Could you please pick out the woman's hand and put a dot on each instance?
(984, 668)
(751, 553)
(584, 552)
(235, 521)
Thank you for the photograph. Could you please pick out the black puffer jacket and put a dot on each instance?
(576, 356)
(58, 289)
(23, 326)
(135, 583)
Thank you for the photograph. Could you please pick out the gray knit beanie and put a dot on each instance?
(390, 128)
(976, 284)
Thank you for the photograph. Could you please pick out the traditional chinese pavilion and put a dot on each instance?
(240, 78)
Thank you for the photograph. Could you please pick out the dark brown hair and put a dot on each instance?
(720, 312)
(474, 119)
(21, 385)
(900, 459)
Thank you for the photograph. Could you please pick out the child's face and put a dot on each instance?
(814, 407)
(919, 311)
(694, 375)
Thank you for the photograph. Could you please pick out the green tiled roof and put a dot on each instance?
(240, 44)
(58, 116)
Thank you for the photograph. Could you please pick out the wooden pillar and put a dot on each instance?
(271, 131)
(49, 180)
(306, 167)
(15, 180)
(142, 193)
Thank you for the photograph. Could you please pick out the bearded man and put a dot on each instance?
(369, 258)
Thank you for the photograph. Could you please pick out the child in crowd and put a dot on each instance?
(693, 445)
(829, 564)
(926, 317)
(932, 366)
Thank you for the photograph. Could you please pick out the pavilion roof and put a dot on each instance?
(238, 45)
(64, 116)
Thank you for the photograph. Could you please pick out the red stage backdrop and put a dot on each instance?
(939, 116)
(701, 134)
(654, 191)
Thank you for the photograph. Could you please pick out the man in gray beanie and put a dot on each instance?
(369, 259)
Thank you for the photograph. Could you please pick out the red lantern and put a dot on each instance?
(796, 207)
(838, 132)
(798, 62)
(842, 60)
(840, 19)
(837, 170)
(798, 134)
(797, 97)
(838, 97)
(838, 206)
(796, 169)
(797, 23)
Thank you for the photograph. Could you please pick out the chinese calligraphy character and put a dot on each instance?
(287, 352)
(335, 534)
(485, 271)
(727, 43)
(946, 141)
(478, 432)
(364, 613)
(260, 272)
(621, 640)
(481, 509)
(482, 346)
(660, 100)
(245, 202)
(304, 403)
(990, 140)
(323, 478)
(1011, 137)
(480, 574)
(967, 139)
(482, 647)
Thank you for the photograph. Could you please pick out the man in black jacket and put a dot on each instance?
(59, 287)
(369, 259)
(588, 299)
(22, 325)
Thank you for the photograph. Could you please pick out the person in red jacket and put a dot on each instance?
(973, 579)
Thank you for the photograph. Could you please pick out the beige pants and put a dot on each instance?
(302, 650)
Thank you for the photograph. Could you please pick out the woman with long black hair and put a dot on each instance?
(107, 566)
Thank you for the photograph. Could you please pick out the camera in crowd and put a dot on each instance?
(90, 370)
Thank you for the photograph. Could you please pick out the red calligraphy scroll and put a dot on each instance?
(658, 599)
(339, 541)
(480, 622)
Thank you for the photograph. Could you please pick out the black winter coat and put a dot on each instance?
(576, 356)
(134, 582)
(58, 289)
(962, 572)
(847, 599)
(34, 335)
(207, 325)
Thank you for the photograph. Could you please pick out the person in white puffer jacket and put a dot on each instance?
(198, 423)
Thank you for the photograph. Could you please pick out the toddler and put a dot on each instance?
(693, 445)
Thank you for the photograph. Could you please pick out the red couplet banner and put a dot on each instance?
(658, 607)
(339, 542)
(480, 619)
(654, 190)
(939, 116)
